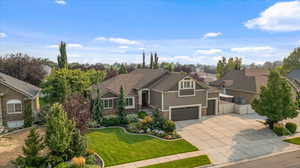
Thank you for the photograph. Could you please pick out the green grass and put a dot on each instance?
(184, 163)
(117, 147)
(293, 141)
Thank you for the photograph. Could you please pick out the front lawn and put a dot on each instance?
(117, 147)
(184, 163)
(293, 140)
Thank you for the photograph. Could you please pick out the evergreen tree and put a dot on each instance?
(28, 116)
(59, 131)
(78, 144)
(156, 65)
(225, 66)
(144, 64)
(151, 61)
(62, 59)
(122, 69)
(31, 150)
(275, 100)
(97, 107)
(291, 62)
(121, 103)
(221, 67)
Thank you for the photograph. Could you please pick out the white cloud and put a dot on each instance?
(177, 58)
(117, 40)
(74, 55)
(211, 34)
(282, 16)
(145, 48)
(252, 49)
(209, 51)
(61, 2)
(123, 47)
(100, 38)
(2, 35)
(71, 45)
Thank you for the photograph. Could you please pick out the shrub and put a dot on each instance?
(133, 127)
(90, 151)
(169, 126)
(292, 127)
(142, 114)
(280, 130)
(62, 165)
(78, 162)
(93, 124)
(91, 159)
(78, 145)
(131, 118)
(111, 121)
(28, 118)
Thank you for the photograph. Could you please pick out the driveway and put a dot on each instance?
(233, 137)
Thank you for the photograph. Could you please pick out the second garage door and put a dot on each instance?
(186, 113)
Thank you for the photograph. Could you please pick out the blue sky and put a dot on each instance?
(185, 31)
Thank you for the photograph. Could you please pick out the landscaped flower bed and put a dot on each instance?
(141, 123)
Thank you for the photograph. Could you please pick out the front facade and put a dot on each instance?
(14, 94)
(177, 96)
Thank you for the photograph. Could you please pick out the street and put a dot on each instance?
(287, 160)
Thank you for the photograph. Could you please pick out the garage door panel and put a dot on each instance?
(187, 113)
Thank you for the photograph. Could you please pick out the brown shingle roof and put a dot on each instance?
(19, 85)
(168, 81)
(248, 79)
(136, 79)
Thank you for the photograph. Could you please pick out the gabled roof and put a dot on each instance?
(21, 86)
(248, 80)
(131, 82)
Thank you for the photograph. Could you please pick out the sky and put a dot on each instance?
(184, 31)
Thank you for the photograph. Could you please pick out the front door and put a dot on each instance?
(145, 97)
(211, 110)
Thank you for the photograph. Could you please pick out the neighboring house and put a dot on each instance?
(176, 95)
(294, 79)
(244, 85)
(14, 93)
(206, 77)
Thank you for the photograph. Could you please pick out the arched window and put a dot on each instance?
(14, 106)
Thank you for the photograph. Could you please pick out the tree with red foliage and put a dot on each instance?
(78, 109)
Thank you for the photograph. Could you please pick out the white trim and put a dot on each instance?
(174, 91)
(14, 102)
(133, 102)
(106, 108)
(162, 101)
(216, 105)
(191, 80)
(1, 121)
(18, 90)
(182, 106)
(194, 94)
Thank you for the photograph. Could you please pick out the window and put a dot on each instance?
(14, 106)
(108, 103)
(187, 83)
(129, 102)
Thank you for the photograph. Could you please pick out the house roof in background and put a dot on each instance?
(294, 74)
(248, 80)
(21, 86)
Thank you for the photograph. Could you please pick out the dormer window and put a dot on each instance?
(187, 83)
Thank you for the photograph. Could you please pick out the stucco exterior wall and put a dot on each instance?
(155, 99)
(246, 95)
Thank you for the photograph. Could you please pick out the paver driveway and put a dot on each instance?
(234, 137)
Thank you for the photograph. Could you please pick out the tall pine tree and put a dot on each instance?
(121, 103)
(275, 100)
(123, 69)
(156, 65)
(151, 60)
(62, 59)
(144, 64)
(291, 62)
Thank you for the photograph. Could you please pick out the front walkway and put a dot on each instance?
(164, 159)
(232, 137)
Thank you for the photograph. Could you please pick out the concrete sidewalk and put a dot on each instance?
(164, 159)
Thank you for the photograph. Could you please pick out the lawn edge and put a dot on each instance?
(138, 133)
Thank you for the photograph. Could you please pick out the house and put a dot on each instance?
(243, 85)
(294, 78)
(177, 96)
(14, 94)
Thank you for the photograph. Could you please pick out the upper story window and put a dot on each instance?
(14, 106)
(108, 103)
(187, 83)
(129, 102)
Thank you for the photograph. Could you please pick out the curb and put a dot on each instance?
(100, 159)
(136, 133)
(253, 159)
(15, 131)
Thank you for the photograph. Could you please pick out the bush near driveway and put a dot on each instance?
(117, 147)
(292, 127)
(184, 163)
(293, 140)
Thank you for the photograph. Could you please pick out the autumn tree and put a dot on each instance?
(24, 67)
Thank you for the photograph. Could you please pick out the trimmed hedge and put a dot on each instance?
(292, 127)
(280, 130)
